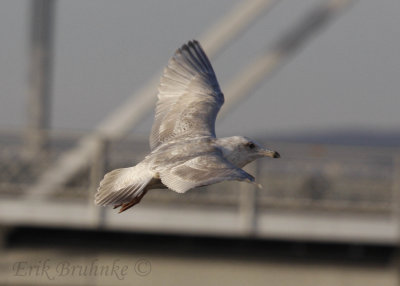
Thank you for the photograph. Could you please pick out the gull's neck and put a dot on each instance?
(232, 151)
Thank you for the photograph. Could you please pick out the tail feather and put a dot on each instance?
(122, 185)
(130, 204)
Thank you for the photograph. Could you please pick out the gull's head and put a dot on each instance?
(241, 150)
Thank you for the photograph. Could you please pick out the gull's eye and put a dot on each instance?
(251, 145)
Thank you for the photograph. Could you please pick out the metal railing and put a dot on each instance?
(321, 176)
(313, 180)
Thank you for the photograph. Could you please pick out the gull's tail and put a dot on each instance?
(123, 187)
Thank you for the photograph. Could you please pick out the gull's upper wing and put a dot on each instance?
(189, 97)
(202, 170)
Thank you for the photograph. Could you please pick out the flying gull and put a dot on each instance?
(185, 153)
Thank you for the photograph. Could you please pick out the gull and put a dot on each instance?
(185, 152)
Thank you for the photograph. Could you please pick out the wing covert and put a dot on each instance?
(201, 171)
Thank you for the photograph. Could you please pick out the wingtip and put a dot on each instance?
(193, 43)
(190, 44)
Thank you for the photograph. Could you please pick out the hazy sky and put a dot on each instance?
(346, 77)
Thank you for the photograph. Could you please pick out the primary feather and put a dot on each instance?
(189, 97)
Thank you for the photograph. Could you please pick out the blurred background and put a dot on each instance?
(316, 80)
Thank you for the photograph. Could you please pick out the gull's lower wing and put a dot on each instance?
(201, 171)
(189, 97)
